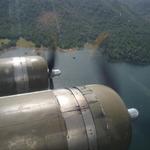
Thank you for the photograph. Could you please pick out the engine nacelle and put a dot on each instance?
(91, 117)
(23, 74)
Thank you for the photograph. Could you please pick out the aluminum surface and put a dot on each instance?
(25, 72)
(18, 74)
(88, 119)
(76, 136)
(110, 116)
(22, 74)
(32, 122)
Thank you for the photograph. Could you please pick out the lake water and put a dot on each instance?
(80, 68)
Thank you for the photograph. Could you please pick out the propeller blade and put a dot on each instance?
(51, 60)
(105, 71)
(109, 76)
(51, 83)
(51, 55)
(51, 64)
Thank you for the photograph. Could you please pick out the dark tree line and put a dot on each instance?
(72, 23)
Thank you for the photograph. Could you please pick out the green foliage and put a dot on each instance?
(72, 23)
(5, 43)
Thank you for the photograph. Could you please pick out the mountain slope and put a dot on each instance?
(141, 7)
(72, 23)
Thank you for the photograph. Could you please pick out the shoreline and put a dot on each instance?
(39, 52)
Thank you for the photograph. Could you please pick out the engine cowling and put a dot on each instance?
(91, 117)
(22, 75)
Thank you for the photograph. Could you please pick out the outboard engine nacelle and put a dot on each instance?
(23, 74)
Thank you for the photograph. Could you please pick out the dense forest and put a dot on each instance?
(72, 23)
(141, 7)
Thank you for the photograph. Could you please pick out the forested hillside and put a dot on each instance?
(72, 23)
(141, 7)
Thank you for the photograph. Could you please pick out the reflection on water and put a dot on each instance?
(79, 68)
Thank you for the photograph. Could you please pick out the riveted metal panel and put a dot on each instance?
(76, 137)
(31, 122)
(110, 117)
(7, 79)
(66, 100)
(42, 120)
(25, 73)
(37, 73)
(22, 74)
(88, 119)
